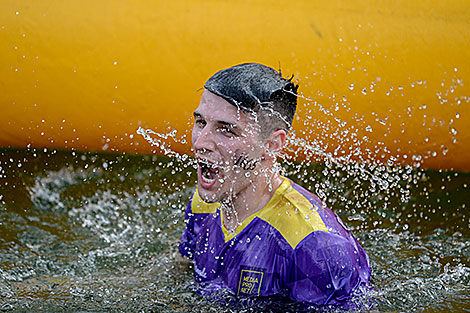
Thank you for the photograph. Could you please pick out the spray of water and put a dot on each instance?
(83, 231)
(378, 191)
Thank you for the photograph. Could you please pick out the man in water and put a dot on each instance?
(248, 229)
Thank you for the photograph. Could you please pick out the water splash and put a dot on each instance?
(100, 232)
(375, 188)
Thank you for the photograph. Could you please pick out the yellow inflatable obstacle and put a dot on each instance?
(386, 80)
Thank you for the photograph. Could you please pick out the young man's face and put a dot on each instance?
(227, 148)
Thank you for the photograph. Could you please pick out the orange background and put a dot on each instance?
(87, 74)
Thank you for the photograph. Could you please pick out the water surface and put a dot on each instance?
(84, 232)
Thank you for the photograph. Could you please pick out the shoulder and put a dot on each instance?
(293, 214)
(331, 220)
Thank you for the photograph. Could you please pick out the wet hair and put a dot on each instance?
(257, 88)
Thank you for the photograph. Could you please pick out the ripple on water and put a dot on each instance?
(87, 232)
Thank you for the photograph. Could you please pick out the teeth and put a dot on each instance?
(207, 164)
(207, 180)
(207, 176)
(209, 171)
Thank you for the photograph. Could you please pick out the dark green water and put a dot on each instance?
(99, 233)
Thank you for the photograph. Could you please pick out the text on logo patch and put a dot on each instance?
(250, 282)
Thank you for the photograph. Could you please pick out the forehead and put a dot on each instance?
(213, 107)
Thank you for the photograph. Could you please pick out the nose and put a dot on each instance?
(203, 139)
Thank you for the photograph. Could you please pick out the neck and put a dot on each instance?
(250, 200)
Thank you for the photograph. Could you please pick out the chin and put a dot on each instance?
(208, 196)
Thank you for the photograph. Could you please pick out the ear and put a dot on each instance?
(276, 141)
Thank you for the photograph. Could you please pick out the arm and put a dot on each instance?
(325, 269)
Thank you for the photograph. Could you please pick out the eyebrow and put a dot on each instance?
(231, 125)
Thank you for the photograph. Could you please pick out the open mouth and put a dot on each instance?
(208, 173)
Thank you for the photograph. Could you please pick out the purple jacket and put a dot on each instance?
(293, 247)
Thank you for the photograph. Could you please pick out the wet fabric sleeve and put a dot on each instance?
(324, 270)
(188, 238)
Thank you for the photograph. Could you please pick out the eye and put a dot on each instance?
(200, 122)
(227, 131)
